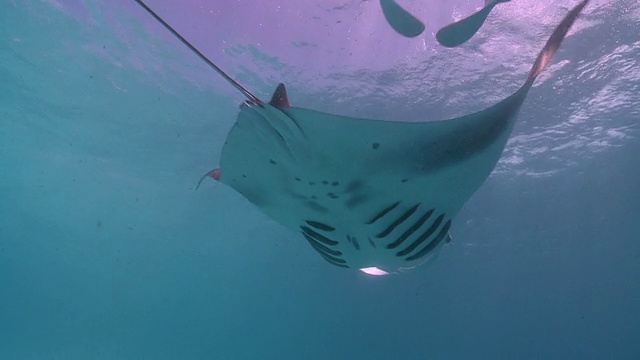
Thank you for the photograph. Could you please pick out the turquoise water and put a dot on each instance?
(107, 252)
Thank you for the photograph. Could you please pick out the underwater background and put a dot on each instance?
(107, 123)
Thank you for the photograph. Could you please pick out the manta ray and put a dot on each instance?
(373, 195)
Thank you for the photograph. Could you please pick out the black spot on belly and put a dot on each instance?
(404, 180)
(311, 183)
(325, 182)
(335, 183)
(375, 145)
(355, 185)
(333, 196)
(273, 162)
(297, 179)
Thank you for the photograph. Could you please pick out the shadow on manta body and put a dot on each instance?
(373, 195)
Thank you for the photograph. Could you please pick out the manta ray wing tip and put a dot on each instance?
(556, 38)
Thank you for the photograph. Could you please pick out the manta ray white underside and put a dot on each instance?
(368, 194)
(364, 193)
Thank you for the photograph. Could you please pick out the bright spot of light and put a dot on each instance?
(374, 271)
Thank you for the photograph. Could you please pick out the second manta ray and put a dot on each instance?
(373, 195)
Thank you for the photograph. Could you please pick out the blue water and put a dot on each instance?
(107, 252)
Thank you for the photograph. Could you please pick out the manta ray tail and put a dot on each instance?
(215, 67)
(555, 40)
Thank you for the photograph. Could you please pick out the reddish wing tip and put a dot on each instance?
(555, 39)
(215, 174)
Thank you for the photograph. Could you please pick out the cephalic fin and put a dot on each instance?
(215, 174)
(280, 99)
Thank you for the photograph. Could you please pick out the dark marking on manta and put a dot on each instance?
(354, 241)
(382, 213)
(411, 230)
(433, 244)
(321, 238)
(398, 221)
(326, 253)
(422, 237)
(321, 247)
(320, 226)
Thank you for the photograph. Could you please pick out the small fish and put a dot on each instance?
(461, 31)
(400, 19)
(214, 174)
